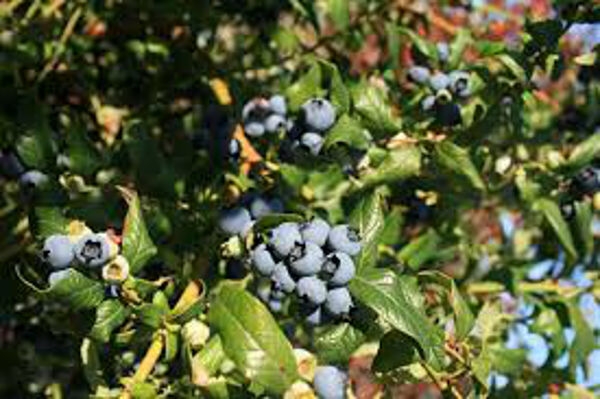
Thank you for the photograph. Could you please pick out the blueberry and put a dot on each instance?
(93, 250)
(234, 221)
(537, 348)
(330, 383)
(419, 74)
(311, 290)
(586, 182)
(255, 109)
(277, 104)
(306, 259)
(10, 165)
(459, 83)
(315, 231)
(338, 302)
(56, 276)
(282, 280)
(439, 81)
(342, 238)
(428, 103)
(443, 51)
(33, 179)
(262, 261)
(316, 317)
(448, 114)
(260, 207)
(275, 123)
(338, 269)
(275, 305)
(284, 238)
(58, 251)
(254, 129)
(311, 142)
(319, 114)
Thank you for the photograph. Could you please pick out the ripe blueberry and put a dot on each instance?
(275, 305)
(281, 279)
(586, 182)
(338, 269)
(330, 383)
(448, 114)
(275, 123)
(233, 149)
(58, 251)
(338, 302)
(262, 261)
(93, 250)
(311, 142)
(427, 103)
(306, 259)
(284, 238)
(277, 104)
(419, 74)
(439, 81)
(315, 231)
(10, 165)
(33, 179)
(311, 290)
(254, 129)
(342, 238)
(459, 83)
(234, 221)
(319, 114)
(316, 317)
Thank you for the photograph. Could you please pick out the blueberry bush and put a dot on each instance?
(298, 199)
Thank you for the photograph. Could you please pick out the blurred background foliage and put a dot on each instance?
(147, 95)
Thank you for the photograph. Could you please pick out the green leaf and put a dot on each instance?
(463, 317)
(78, 291)
(584, 153)
(339, 12)
(253, 340)
(394, 299)
(396, 349)
(372, 105)
(151, 315)
(552, 214)
(109, 315)
(49, 221)
(513, 66)
(426, 48)
(171, 345)
(337, 343)
(347, 131)
(92, 368)
(138, 247)
(583, 220)
(458, 160)
(458, 46)
(584, 341)
(308, 86)
(143, 390)
(36, 149)
(83, 156)
(210, 358)
(420, 250)
(368, 218)
(398, 164)
(489, 48)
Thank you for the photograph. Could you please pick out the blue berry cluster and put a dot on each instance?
(313, 261)
(445, 92)
(305, 133)
(84, 248)
(240, 219)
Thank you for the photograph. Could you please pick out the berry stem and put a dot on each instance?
(146, 365)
